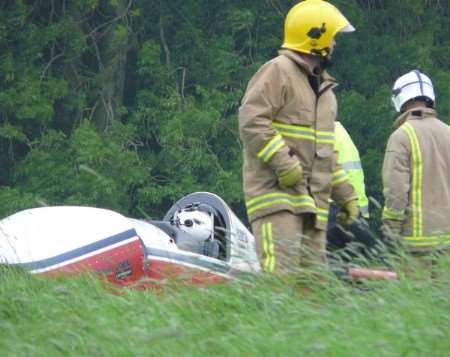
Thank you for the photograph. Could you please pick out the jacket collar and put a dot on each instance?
(297, 58)
(414, 114)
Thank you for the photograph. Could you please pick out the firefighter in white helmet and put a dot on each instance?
(286, 123)
(416, 169)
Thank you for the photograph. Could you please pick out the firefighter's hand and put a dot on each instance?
(350, 213)
(291, 176)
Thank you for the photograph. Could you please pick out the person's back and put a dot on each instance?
(416, 168)
(433, 138)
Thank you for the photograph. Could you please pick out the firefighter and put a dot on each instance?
(286, 124)
(350, 161)
(340, 237)
(416, 169)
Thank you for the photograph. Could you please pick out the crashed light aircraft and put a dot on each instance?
(199, 241)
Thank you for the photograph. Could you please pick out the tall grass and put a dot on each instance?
(264, 317)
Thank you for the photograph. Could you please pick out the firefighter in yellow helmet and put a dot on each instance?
(311, 26)
(286, 123)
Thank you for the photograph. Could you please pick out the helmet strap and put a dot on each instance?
(326, 62)
(324, 59)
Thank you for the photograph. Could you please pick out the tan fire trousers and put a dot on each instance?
(288, 243)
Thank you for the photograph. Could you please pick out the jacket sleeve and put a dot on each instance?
(342, 190)
(396, 176)
(263, 99)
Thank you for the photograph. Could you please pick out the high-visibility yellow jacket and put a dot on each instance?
(416, 179)
(283, 122)
(350, 161)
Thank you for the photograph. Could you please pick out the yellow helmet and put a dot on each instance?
(311, 25)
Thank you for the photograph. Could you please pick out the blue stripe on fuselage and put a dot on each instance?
(45, 263)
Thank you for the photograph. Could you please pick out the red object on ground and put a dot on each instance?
(370, 274)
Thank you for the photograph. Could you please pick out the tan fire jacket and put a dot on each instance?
(416, 178)
(282, 121)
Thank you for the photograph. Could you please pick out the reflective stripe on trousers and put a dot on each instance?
(268, 264)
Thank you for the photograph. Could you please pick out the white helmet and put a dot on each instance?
(412, 85)
(198, 224)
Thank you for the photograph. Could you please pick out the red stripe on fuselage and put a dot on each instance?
(125, 266)
(120, 265)
(171, 270)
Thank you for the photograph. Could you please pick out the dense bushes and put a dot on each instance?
(131, 104)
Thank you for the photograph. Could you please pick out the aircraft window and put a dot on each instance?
(221, 236)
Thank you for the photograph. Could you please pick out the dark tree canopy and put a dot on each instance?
(130, 104)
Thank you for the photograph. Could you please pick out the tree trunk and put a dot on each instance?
(111, 46)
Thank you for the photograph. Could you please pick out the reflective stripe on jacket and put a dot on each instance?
(349, 160)
(283, 122)
(416, 179)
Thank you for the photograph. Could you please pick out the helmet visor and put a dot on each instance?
(348, 28)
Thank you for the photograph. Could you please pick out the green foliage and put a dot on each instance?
(87, 168)
(130, 105)
(14, 200)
